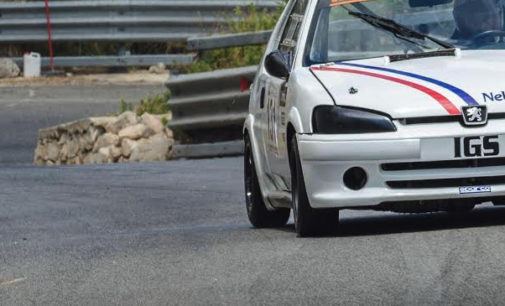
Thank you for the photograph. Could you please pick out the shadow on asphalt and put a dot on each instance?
(408, 223)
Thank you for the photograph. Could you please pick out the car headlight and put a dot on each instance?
(328, 119)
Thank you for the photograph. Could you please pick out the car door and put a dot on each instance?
(275, 100)
(259, 103)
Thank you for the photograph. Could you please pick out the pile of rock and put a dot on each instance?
(8, 69)
(126, 138)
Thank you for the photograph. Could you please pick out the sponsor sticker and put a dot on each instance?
(493, 96)
(474, 189)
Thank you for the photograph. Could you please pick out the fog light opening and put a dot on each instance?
(355, 178)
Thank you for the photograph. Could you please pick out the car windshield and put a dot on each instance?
(352, 29)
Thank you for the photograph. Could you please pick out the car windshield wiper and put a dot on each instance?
(397, 29)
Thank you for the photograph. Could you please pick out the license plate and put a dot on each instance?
(474, 189)
(476, 146)
(462, 147)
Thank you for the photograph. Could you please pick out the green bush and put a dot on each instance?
(249, 19)
(125, 106)
(155, 105)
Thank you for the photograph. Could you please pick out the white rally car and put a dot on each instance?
(391, 105)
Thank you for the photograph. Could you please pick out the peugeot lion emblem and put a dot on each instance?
(474, 115)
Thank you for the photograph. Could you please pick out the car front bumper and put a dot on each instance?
(325, 159)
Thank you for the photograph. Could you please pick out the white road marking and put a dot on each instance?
(17, 280)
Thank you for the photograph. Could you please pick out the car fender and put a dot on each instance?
(295, 120)
(248, 128)
(306, 93)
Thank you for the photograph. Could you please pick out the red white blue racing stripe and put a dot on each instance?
(439, 97)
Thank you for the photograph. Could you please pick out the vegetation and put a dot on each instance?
(155, 105)
(250, 19)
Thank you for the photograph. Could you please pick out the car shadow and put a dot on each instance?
(385, 224)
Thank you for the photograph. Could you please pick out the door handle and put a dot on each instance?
(262, 98)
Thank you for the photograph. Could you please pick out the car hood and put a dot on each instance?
(435, 86)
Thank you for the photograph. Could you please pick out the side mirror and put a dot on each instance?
(277, 65)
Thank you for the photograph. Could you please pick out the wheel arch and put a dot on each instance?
(249, 131)
(293, 127)
(290, 132)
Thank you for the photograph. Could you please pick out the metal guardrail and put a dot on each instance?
(115, 61)
(118, 20)
(209, 99)
(208, 105)
(219, 149)
(228, 40)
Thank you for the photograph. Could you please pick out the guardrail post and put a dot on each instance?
(49, 35)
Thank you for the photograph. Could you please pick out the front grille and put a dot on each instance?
(445, 164)
(441, 183)
(445, 119)
(424, 120)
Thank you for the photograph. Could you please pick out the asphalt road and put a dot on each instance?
(176, 233)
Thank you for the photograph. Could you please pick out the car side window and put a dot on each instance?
(291, 31)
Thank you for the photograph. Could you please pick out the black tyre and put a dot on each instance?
(258, 214)
(308, 221)
(500, 201)
(459, 206)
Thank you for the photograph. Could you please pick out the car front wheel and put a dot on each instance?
(258, 214)
(308, 221)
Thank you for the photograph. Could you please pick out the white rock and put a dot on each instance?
(112, 153)
(63, 155)
(96, 158)
(78, 126)
(135, 132)
(63, 138)
(87, 140)
(84, 145)
(152, 122)
(107, 153)
(115, 152)
(87, 159)
(105, 140)
(152, 149)
(53, 151)
(124, 120)
(159, 68)
(8, 69)
(169, 133)
(102, 122)
(41, 151)
(73, 147)
(75, 161)
(127, 146)
(69, 149)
